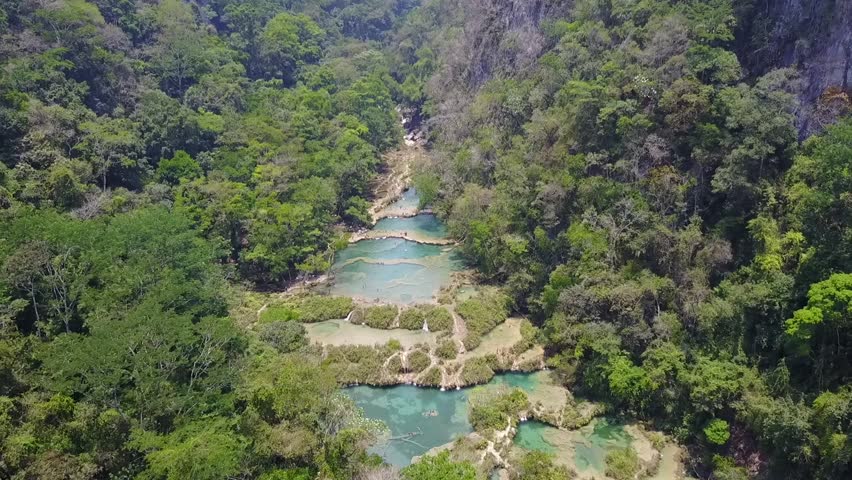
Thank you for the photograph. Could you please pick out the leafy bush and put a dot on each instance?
(437, 318)
(494, 408)
(411, 318)
(477, 371)
(439, 466)
(528, 334)
(431, 378)
(279, 313)
(317, 308)
(540, 466)
(418, 360)
(622, 464)
(358, 364)
(309, 309)
(284, 336)
(717, 432)
(447, 349)
(472, 340)
(381, 316)
(394, 365)
(481, 314)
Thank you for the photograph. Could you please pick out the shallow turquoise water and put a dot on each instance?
(393, 270)
(424, 225)
(396, 270)
(606, 436)
(408, 201)
(402, 408)
(531, 436)
(386, 249)
(590, 448)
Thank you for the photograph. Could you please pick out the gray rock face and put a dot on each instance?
(814, 36)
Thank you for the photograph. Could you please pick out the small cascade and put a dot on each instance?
(349, 317)
(425, 326)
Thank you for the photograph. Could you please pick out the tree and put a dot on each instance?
(822, 327)
(540, 466)
(818, 186)
(206, 450)
(288, 43)
(438, 466)
(717, 432)
(110, 144)
(286, 337)
(181, 166)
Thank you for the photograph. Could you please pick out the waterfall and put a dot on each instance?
(425, 326)
(349, 317)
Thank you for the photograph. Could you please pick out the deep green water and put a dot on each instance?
(402, 409)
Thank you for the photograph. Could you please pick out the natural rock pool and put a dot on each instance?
(584, 449)
(396, 270)
(386, 268)
(408, 409)
(393, 270)
(424, 226)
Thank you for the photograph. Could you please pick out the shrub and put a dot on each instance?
(477, 371)
(317, 308)
(539, 466)
(418, 360)
(357, 364)
(717, 432)
(411, 318)
(528, 334)
(382, 316)
(279, 313)
(284, 336)
(309, 309)
(394, 365)
(447, 349)
(431, 378)
(438, 318)
(622, 464)
(472, 340)
(482, 313)
(494, 408)
(726, 468)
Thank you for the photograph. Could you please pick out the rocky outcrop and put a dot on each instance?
(814, 36)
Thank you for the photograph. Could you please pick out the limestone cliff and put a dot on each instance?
(814, 36)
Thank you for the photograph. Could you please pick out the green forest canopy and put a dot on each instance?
(641, 197)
